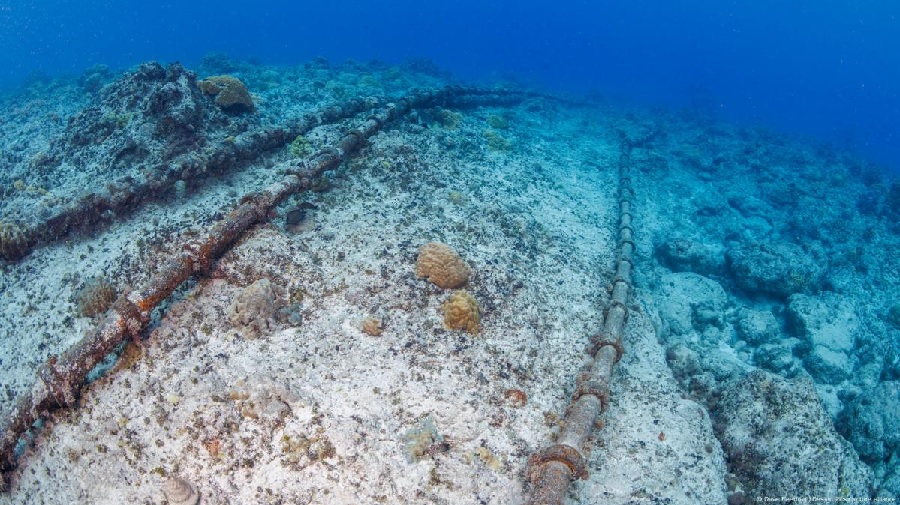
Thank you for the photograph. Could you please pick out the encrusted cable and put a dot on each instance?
(59, 381)
(552, 470)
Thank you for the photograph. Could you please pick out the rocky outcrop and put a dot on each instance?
(779, 269)
(779, 442)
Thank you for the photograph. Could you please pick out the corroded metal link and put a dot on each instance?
(615, 304)
(620, 289)
(597, 386)
(559, 453)
(549, 483)
(626, 258)
(379, 121)
(620, 293)
(623, 271)
(135, 319)
(599, 340)
(623, 241)
(351, 140)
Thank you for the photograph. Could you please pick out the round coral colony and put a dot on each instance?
(461, 312)
(442, 266)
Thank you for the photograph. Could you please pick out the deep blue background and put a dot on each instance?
(826, 68)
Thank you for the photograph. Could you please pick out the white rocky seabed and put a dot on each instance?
(299, 405)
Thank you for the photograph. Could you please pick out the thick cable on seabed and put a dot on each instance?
(552, 469)
(59, 381)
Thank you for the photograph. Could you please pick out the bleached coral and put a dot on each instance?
(442, 265)
(180, 492)
(95, 297)
(253, 311)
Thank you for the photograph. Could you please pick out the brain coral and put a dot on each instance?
(461, 312)
(231, 94)
(442, 266)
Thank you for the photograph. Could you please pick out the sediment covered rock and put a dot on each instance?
(872, 423)
(779, 269)
(684, 255)
(780, 442)
(827, 326)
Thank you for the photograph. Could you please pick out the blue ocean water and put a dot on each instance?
(828, 69)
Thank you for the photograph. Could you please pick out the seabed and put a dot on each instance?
(311, 364)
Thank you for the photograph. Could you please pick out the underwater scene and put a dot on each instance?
(469, 253)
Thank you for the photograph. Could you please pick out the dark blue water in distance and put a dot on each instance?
(824, 68)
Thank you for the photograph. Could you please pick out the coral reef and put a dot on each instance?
(14, 243)
(114, 128)
(231, 94)
(253, 311)
(461, 312)
(95, 297)
(95, 77)
(442, 265)
(136, 138)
